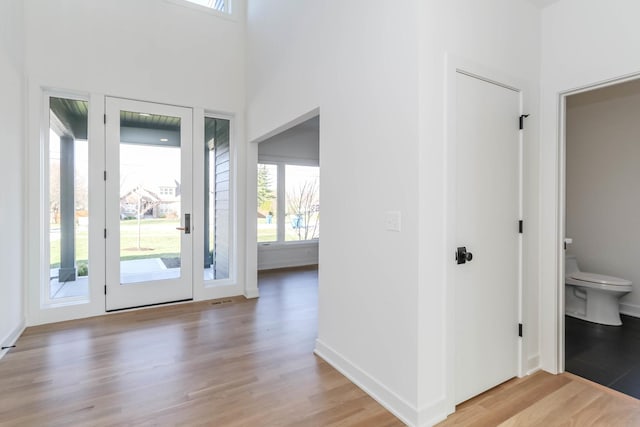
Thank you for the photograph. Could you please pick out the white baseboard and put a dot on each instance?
(630, 309)
(533, 364)
(286, 264)
(12, 337)
(433, 414)
(387, 398)
(251, 293)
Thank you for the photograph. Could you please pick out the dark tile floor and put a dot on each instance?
(608, 355)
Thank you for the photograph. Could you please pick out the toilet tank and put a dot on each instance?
(570, 265)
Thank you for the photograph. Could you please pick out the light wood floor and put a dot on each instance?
(544, 400)
(235, 362)
(232, 363)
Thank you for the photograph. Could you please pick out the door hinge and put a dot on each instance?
(105, 233)
(520, 330)
(105, 175)
(520, 226)
(105, 120)
(522, 117)
(105, 289)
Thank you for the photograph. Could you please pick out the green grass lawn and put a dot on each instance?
(267, 232)
(158, 238)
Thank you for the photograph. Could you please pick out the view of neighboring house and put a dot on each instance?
(156, 200)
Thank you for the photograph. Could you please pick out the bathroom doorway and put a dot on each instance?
(602, 274)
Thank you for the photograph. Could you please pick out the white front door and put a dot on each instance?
(149, 219)
(486, 222)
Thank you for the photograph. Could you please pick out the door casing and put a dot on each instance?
(561, 208)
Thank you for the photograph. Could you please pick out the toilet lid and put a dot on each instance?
(599, 278)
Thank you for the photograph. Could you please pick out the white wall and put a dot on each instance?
(498, 39)
(148, 50)
(584, 42)
(601, 184)
(11, 169)
(357, 62)
(272, 255)
(378, 78)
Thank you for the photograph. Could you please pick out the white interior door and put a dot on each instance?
(148, 209)
(487, 215)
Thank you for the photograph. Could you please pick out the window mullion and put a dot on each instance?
(281, 202)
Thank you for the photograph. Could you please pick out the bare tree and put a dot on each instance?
(303, 202)
(82, 190)
(54, 191)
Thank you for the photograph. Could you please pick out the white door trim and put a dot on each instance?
(454, 65)
(36, 128)
(220, 288)
(152, 291)
(36, 274)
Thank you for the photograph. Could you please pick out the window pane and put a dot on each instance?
(302, 221)
(267, 203)
(68, 183)
(217, 172)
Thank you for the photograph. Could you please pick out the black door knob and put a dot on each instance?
(462, 256)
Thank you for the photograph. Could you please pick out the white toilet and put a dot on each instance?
(593, 297)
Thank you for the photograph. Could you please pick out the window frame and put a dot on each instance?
(281, 198)
(43, 209)
(278, 210)
(198, 203)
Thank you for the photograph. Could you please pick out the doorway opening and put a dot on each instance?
(598, 297)
(288, 197)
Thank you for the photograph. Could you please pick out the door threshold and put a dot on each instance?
(149, 305)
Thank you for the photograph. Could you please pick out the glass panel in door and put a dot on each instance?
(150, 197)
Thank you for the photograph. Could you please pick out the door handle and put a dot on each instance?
(462, 256)
(187, 224)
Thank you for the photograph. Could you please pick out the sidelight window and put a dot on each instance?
(67, 199)
(217, 198)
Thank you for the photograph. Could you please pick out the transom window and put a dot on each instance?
(223, 6)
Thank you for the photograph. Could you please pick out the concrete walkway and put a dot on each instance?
(132, 271)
